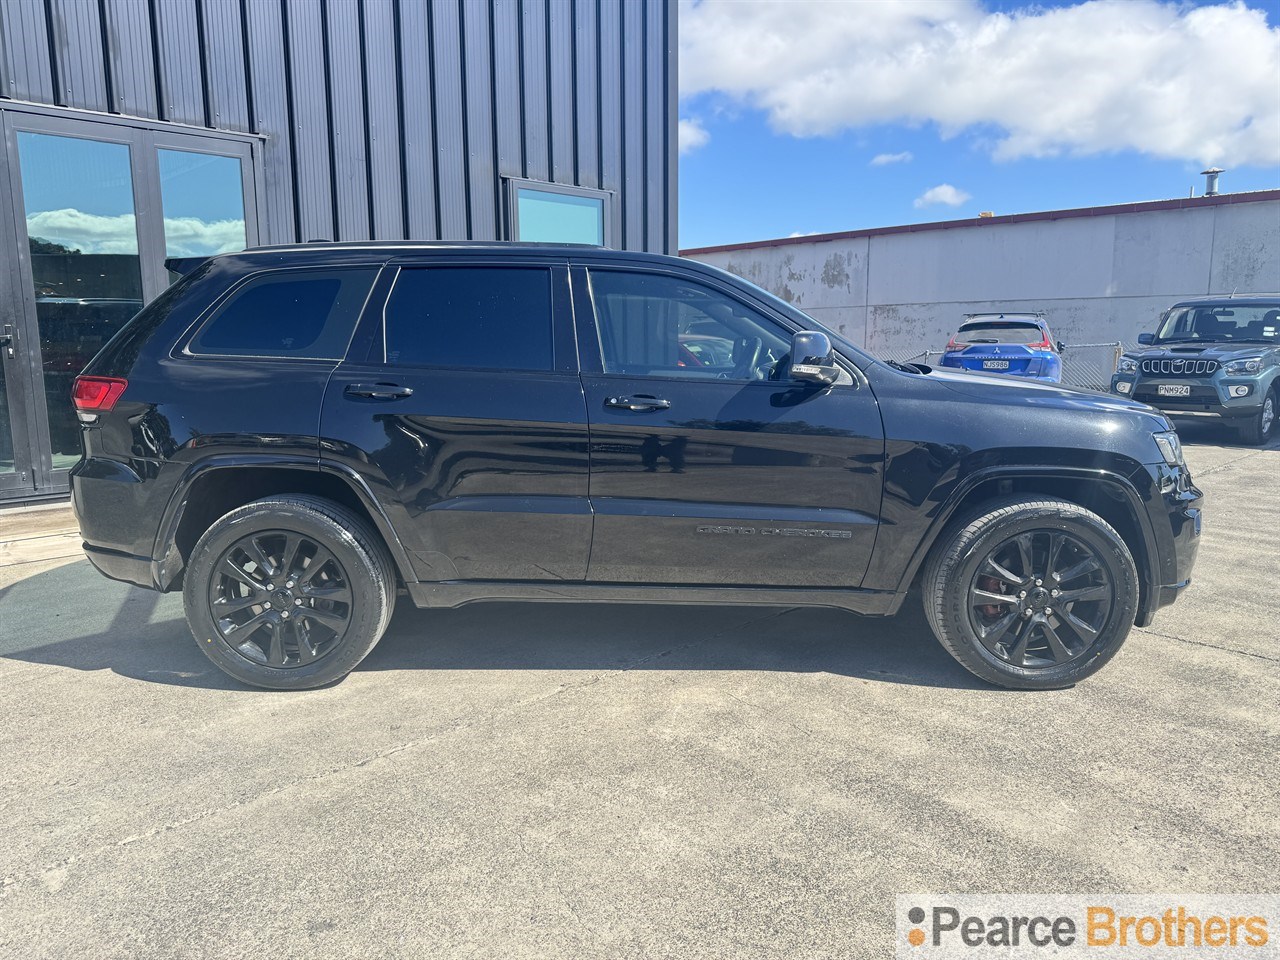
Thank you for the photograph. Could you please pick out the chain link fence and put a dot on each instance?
(1085, 365)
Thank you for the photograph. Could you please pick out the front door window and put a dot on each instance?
(83, 238)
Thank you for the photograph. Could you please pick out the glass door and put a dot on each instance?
(96, 210)
(80, 213)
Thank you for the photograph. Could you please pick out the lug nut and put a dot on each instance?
(271, 586)
(1039, 582)
(288, 585)
(1022, 594)
(284, 614)
(1054, 593)
(1048, 611)
(267, 604)
(1027, 612)
(297, 601)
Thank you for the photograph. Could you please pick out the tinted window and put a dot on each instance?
(667, 326)
(995, 332)
(296, 313)
(496, 317)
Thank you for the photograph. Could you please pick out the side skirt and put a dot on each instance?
(457, 593)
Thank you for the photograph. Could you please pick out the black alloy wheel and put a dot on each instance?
(289, 592)
(280, 599)
(1031, 592)
(1040, 598)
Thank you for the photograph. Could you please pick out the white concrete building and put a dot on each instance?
(1099, 274)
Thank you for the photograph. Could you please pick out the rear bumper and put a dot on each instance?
(124, 567)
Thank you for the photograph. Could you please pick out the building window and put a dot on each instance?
(553, 213)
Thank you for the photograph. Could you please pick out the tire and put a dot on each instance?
(321, 616)
(1089, 628)
(1261, 427)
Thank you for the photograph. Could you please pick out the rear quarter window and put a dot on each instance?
(306, 314)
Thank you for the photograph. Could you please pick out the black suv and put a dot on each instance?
(296, 435)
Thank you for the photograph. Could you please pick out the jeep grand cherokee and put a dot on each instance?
(296, 435)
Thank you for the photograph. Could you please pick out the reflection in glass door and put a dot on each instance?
(203, 199)
(82, 233)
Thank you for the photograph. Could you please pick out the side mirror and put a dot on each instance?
(812, 358)
(1146, 339)
(1062, 347)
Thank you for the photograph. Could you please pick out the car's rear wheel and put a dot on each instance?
(289, 592)
(1031, 593)
(1259, 428)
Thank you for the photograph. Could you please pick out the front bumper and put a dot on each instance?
(1210, 399)
(1175, 510)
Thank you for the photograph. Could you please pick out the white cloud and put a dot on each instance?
(884, 159)
(92, 233)
(1168, 79)
(944, 194)
(692, 135)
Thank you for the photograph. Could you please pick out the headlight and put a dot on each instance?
(1244, 366)
(1127, 365)
(1170, 448)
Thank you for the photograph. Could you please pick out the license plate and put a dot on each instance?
(1173, 390)
(995, 364)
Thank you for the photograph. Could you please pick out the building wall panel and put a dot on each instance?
(228, 91)
(381, 58)
(182, 85)
(131, 58)
(382, 118)
(24, 32)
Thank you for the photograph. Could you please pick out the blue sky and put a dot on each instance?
(791, 150)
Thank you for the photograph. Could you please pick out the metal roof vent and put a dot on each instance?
(1211, 181)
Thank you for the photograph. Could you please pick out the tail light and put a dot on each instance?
(95, 395)
(954, 344)
(1045, 344)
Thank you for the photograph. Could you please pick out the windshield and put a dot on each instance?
(1222, 324)
(999, 332)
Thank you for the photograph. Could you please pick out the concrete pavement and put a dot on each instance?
(621, 781)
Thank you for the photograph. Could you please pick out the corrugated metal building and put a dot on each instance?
(136, 129)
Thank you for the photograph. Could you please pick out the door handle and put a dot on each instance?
(378, 391)
(641, 401)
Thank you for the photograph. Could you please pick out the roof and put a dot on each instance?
(505, 245)
(1187, 203)
(1249, 300)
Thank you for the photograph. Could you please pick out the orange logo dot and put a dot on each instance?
(915, 937)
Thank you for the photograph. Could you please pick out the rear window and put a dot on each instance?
(999, 332)
(307, 314)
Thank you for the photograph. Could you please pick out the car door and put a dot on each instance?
(708, 464)
(465, 417)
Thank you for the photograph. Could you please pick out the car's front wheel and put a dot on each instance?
(1031, 593)
(1259, 428)
(288, 592)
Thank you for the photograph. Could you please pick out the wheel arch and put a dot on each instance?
(216, 485)
(1111, 496)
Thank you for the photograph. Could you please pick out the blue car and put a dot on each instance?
(1018, 344)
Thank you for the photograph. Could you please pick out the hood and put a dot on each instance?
(1030, 393)
(1221, 352)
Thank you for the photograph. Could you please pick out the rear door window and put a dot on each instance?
(479, 317)
(307, 314)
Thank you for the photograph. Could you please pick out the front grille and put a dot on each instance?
(1178, 367)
